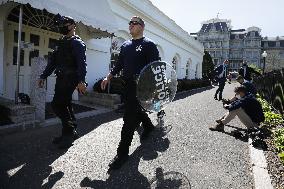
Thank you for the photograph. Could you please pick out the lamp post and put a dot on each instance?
(264, 55)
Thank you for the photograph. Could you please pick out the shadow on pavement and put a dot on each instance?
(237, 133)
(129, 176)
(25, 157)
(183, 95)
(257, 139)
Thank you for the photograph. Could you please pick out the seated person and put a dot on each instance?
(246, 107)
(249, 87)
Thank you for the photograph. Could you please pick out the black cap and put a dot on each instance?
(68, 19)
(62, 20)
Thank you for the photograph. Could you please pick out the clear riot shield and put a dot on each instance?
(156, 87)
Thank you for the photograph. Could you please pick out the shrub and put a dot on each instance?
(5, 113)
(186, 84)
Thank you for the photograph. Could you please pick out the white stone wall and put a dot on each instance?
(171, 39)
(98, 59)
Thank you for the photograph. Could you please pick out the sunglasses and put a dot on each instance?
(134, 23)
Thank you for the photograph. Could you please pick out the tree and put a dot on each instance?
(207, 66)
(272, 61)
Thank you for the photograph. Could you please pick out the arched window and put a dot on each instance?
(174, 63)
(187, 69)
(161, 52)
(34, 17)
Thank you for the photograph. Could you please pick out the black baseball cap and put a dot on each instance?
(68, 20)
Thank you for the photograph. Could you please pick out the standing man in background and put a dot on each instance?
(246, 72)
(69, 62)
(221, 72)
(135, 54)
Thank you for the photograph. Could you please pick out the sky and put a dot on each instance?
(267, 15)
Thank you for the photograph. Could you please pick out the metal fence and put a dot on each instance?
(271, 87)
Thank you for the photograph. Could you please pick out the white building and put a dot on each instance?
(97, 21)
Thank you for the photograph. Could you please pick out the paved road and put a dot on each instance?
(186, 155)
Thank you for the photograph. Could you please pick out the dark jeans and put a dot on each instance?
(133, 116)
(220, 90)
(61, 103)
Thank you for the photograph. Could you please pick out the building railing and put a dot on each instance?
(271, 87)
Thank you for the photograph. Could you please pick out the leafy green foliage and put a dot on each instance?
(281, 156)
(255, 68)
(265, 105)
(272, 120)
(279, 140)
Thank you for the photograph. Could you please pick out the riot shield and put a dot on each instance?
(156, 87)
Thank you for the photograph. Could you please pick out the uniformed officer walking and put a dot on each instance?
(69, 62)
(134, 55)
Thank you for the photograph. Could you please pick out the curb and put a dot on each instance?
(259, 168)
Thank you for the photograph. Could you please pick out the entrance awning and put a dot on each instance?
(96, 15)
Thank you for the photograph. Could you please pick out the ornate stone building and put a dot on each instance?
(222, 42)
(274, 46)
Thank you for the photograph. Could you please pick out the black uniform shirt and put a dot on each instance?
(134, 55)
(78, 51)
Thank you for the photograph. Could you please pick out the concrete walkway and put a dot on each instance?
(184, 155)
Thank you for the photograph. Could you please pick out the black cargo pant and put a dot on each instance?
(61, 103)
(220, 89)
(133, 116)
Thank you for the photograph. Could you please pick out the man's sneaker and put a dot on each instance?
(215, 97)
(218, 127)
(117, 162)
(146, 132)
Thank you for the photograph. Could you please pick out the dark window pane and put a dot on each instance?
(48, 56)
(33, 54)
(52, 43)
(281, 43)
(15, 56)
(16, 36)
(271, 43)
(34, 39)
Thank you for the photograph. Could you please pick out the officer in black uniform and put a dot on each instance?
(69, 62)
(134, 55)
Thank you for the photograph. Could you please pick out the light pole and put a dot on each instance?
(264, 55)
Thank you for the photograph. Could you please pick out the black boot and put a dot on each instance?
(117, 162)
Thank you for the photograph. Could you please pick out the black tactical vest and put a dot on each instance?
(64, 58)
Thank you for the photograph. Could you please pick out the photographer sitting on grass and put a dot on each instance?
(246, 107)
